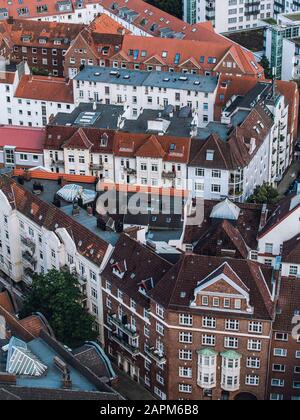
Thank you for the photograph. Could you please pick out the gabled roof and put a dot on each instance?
(78, 140)
(151, 147)
(282, 210)
(43, 88)
(223, 237)
(176, 289)
(141, 265)
(291, 250)
(23, 138)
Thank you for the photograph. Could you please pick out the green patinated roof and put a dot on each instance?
(207, 352)
(231, 354)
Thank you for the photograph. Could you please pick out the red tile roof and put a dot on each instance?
(16, 29)
(23, 138)
(45, 88)
(217, 49)
(104, 24)
(6, 302)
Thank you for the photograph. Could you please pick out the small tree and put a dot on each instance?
(267, 67)
(264, 194)
(58, 297)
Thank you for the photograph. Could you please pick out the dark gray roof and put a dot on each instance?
(159, 79)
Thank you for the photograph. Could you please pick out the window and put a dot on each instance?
(185, 372)
(215, 188)
(255, 327)
(208, 340)
(185, 337)
(232, 325)
(185, 354)
(159, 328)
(160, 311)
(216, 302)
(185, 319)
(252, 380)
(278, 368)
(216, 173)
(185, 388)
(269, 248)
(280, 352)
(281, 337)
(208, 322)
(199, 172)
(253, 363)
(231, 342)
(254, 345)
(204, 300)
(293, 270)
(277, 382)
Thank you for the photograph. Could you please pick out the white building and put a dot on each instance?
(138, 90)
(37, 237)
(228, 15)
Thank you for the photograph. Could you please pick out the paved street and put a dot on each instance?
(288, 178)
(131, 389)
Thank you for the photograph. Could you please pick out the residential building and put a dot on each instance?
(33, 100)
(36, 236)
(137, 90)
(41, 44)
(228, 15)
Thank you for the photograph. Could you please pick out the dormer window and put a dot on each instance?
(210, 155)
(104, 140)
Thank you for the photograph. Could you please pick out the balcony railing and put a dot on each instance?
(134, 351)
(129, 171)
(29, 260)
(29, 243)
(156, 355)
(126, 328)
(169, 174)
(96, 166)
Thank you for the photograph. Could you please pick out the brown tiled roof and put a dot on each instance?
(45, 89)
(78, 140)
(34, 324)
(222, 236)
(6, 302)
(235, 152)
(176, 288)
(247, 225)
(142, 265)
(191, 49)
(59, 136)
(288, 304)
(44, 214)
(291, 250)
(50, 31)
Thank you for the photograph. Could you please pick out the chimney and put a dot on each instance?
(66, 379)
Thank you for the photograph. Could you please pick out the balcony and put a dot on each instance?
(126, 328)
(129, 171)
(28, 259)
(169, 174)
(57, 162)
(96, 166)
(134, 351)
(28, 243)
(156, 355)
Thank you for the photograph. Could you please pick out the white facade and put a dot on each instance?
(229, 15)
(141, 95)
(27, 247)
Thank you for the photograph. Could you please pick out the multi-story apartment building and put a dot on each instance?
(132, 272)
(137, 90)
(204, 335)
(37, 236)
(232, 162)
(228, 15)
(33, 100)
(41, 44)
